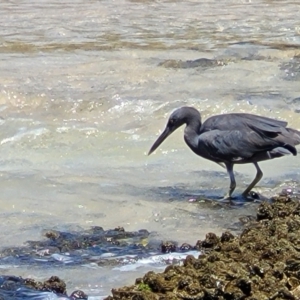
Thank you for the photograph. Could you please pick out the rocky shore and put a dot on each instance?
(260, 263)
(263, 262)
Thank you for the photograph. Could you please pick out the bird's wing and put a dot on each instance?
(244, 122)
(264, 126)
(262, 123)
(235, 145)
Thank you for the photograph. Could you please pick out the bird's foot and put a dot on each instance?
(244, 197)
(253, 196)
(227, 200)
(241, 199)
(227, 196)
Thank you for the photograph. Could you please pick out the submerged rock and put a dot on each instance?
(203, 63)
(53, 284)
(263, 262)
(12, 287)
(95, 245)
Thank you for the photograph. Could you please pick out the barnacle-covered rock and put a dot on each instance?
(263, 262)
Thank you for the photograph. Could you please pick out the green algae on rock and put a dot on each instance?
(262, 263)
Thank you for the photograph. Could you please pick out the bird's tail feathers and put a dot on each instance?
(279, 152)
(290, 148)
(295, 135)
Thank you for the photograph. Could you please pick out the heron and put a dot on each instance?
(233, 138)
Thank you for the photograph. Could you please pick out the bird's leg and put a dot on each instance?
(229, 167)
(257, 178)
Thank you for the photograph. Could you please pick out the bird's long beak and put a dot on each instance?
(160, 139)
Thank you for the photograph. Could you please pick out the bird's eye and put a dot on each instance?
(171, 121)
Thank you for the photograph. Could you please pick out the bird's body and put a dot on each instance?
(235, 138)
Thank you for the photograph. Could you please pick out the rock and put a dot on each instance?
(262, 263)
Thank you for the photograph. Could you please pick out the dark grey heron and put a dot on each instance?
(235, 138)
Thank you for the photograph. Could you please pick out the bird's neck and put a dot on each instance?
(194, 125)
(192, 132)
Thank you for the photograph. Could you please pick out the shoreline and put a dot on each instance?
(262, 262)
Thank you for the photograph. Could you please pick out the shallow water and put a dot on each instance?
(83, 97)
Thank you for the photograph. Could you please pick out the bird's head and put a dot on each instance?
(179, 117)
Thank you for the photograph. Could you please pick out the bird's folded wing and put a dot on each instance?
(239, 121)
(236, 145)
